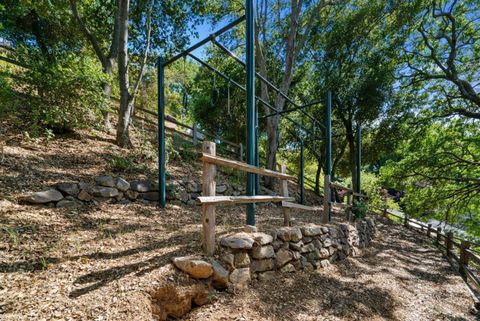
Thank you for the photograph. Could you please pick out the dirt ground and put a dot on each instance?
(97, 262)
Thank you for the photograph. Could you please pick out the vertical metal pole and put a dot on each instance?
(257, 155)
(328, 159)
(250, 69)
(162, 197)
(302, 174)
(359, 156)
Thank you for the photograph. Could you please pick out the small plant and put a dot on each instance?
(120, 164)
(360, 209)
(12, 234)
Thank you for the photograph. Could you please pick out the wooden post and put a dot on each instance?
(284, 190)
(429, 230)
(464, 256)
(326, 199)
(448, 242)
(195, 134)
(208, 189)
(385, 199)
(349, 203)
(439, 234)
(405, 220)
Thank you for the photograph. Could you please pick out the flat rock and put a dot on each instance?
(263, 252)
(262, 238)
(121, 184)
(220, 189)
(240, 276)
(149, 196)
(311, 230)
(141, 186)
(195, 267)
(288, 234)
(101, 191)
(220, 275)
(238, 241)
(261, 265)
(105, 180)
(51, 195)
(68, 203)
(283, 256)
(289, 268)
(84, 196)
(71, 189)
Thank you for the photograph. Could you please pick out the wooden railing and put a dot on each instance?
(457, 251)
(209, 201)
(350, 196)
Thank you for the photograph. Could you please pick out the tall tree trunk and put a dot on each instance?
(107, 90)
(126, 100)
(352, 157)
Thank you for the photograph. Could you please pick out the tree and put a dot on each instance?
(444, 55)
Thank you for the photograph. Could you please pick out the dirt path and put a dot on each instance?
(95, 263)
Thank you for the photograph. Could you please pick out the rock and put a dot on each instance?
(105, 180)
(287, 234)
(68, 189)
(100, 191)
(323, 253)
(184, 197)
(261, 265)
(317, 244)
(238, 241)
(263, 252)
(68, 203)
(297, 264)
(289, 268)
(149, 196)
(250, 229)
(311, 230)
(220, 189)
(262, 238)
(193, 266)
(282, 257)
(141, 186)
(308, 248)
(242, 260)
(240, 276)
(193, 187)
(296, 255)
(220, 275)
(267, 276)
(121, 184)
(324, 229)
(277, 244)
(192, 202)
(229, 260)
(327, 242)
(131, 195)
(51, 195)
(307, 239)
(324, 263)
(296, 246)
(84, 196)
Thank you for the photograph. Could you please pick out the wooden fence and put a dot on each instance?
(457, 251)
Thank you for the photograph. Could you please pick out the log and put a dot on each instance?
(300, 206)
(242, 166)
(218, 200)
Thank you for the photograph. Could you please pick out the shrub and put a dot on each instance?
(360, 209)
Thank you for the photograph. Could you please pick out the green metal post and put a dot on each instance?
(328, 160)
(301, 179)
(250, 69)
(257, 155)
(162, 197)
(359, 156)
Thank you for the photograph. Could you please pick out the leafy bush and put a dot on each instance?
(120, 164)
(360, 209)
(65, 92)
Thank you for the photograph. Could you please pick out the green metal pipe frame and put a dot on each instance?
(162, 189)
(328, 126)
(359, 157)
(302, 174)
(251, 112)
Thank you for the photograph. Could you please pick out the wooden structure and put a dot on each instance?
(351, 194)
(209, 200)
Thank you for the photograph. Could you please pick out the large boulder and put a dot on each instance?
(311, 230)
(51, 195)
(238, 241)
(195, 267)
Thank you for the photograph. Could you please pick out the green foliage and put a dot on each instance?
(120, 164)
(360, 209)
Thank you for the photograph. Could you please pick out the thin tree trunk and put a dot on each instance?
(317, 177)
(126, 100)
